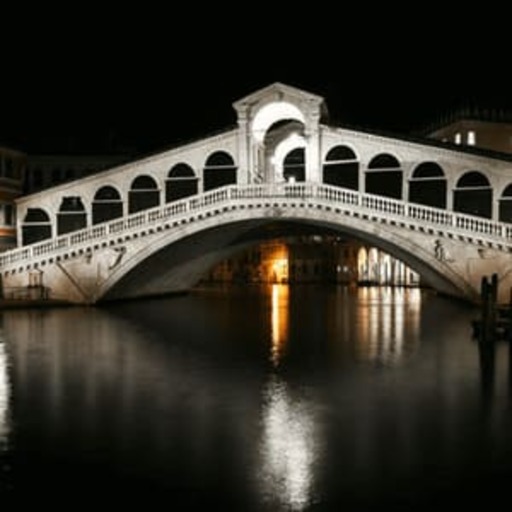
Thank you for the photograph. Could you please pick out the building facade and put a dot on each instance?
(314, 259)
(12, 175)
(478, 128)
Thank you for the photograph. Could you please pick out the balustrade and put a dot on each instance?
(240, 195)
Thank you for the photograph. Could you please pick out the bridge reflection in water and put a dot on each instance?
(257, 398)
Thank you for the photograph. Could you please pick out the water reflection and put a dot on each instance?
(4, 395)
(495, 359)
(487, 358)
(279, 321)
(252, 401)
(288, 446)
(5, 419)
(388, 322)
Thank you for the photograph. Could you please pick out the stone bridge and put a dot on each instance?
(156, 225)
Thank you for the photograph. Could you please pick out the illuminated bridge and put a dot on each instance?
(156, 225)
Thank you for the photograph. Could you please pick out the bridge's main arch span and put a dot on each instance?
(175, 261)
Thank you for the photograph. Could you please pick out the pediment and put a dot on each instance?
(280, 92)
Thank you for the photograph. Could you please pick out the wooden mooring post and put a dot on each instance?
(495, 322)
(488, 295)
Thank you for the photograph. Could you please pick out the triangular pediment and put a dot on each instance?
(278, 92)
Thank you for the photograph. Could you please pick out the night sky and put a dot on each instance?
(147, 82)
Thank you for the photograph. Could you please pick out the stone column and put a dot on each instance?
(312, 135)
(244, 148)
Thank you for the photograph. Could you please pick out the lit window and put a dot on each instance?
(458, 138)
(471, 138)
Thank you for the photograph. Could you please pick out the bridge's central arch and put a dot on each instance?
(177, 261)
(279, 144)
(271, 114)
(280, 127)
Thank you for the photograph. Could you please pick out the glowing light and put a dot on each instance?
(280, 270)
(279, 321)
(271, 113)
(275, 264)
(288, 447)
(4, 396)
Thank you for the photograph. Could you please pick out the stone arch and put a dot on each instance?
(181, 182)
(505, 205)
(272, 113)
(341, 168)
(373, 265)
(219, 170)
(106, 205)
(384, 176)
(473, 195)
(362, 265)
(71, 216)
(143, 194)
(294, 165)
(427, 185)
(36, 226)
(285, 151)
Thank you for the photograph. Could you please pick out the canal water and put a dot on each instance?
(258, 398)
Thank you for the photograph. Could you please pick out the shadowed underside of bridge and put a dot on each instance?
(178, 266)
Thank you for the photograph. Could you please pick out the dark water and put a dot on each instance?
(255, 399)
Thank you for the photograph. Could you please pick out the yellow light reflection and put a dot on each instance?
(280, 270)
(4, 396)
(276, 263)
(288, 447)
(279, 321)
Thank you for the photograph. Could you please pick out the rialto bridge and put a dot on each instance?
(155, 225)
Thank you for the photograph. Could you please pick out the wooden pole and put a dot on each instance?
(484, 293)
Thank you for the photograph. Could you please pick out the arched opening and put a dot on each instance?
(219, 170)
(294, 165)
(271, 114)
(143, 194)
(71, 215)
(181, 182)
(363, 270)
(384, 177)
(473, 195)
(341, 168)
(107, 205)
(428, 185)
(36, 226)
(373, 266)
(505, 212)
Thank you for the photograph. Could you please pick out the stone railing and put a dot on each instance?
(303, 195)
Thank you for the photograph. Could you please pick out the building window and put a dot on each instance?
(471, 140)
(458, 138)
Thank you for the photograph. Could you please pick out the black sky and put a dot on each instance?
(153, 81)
